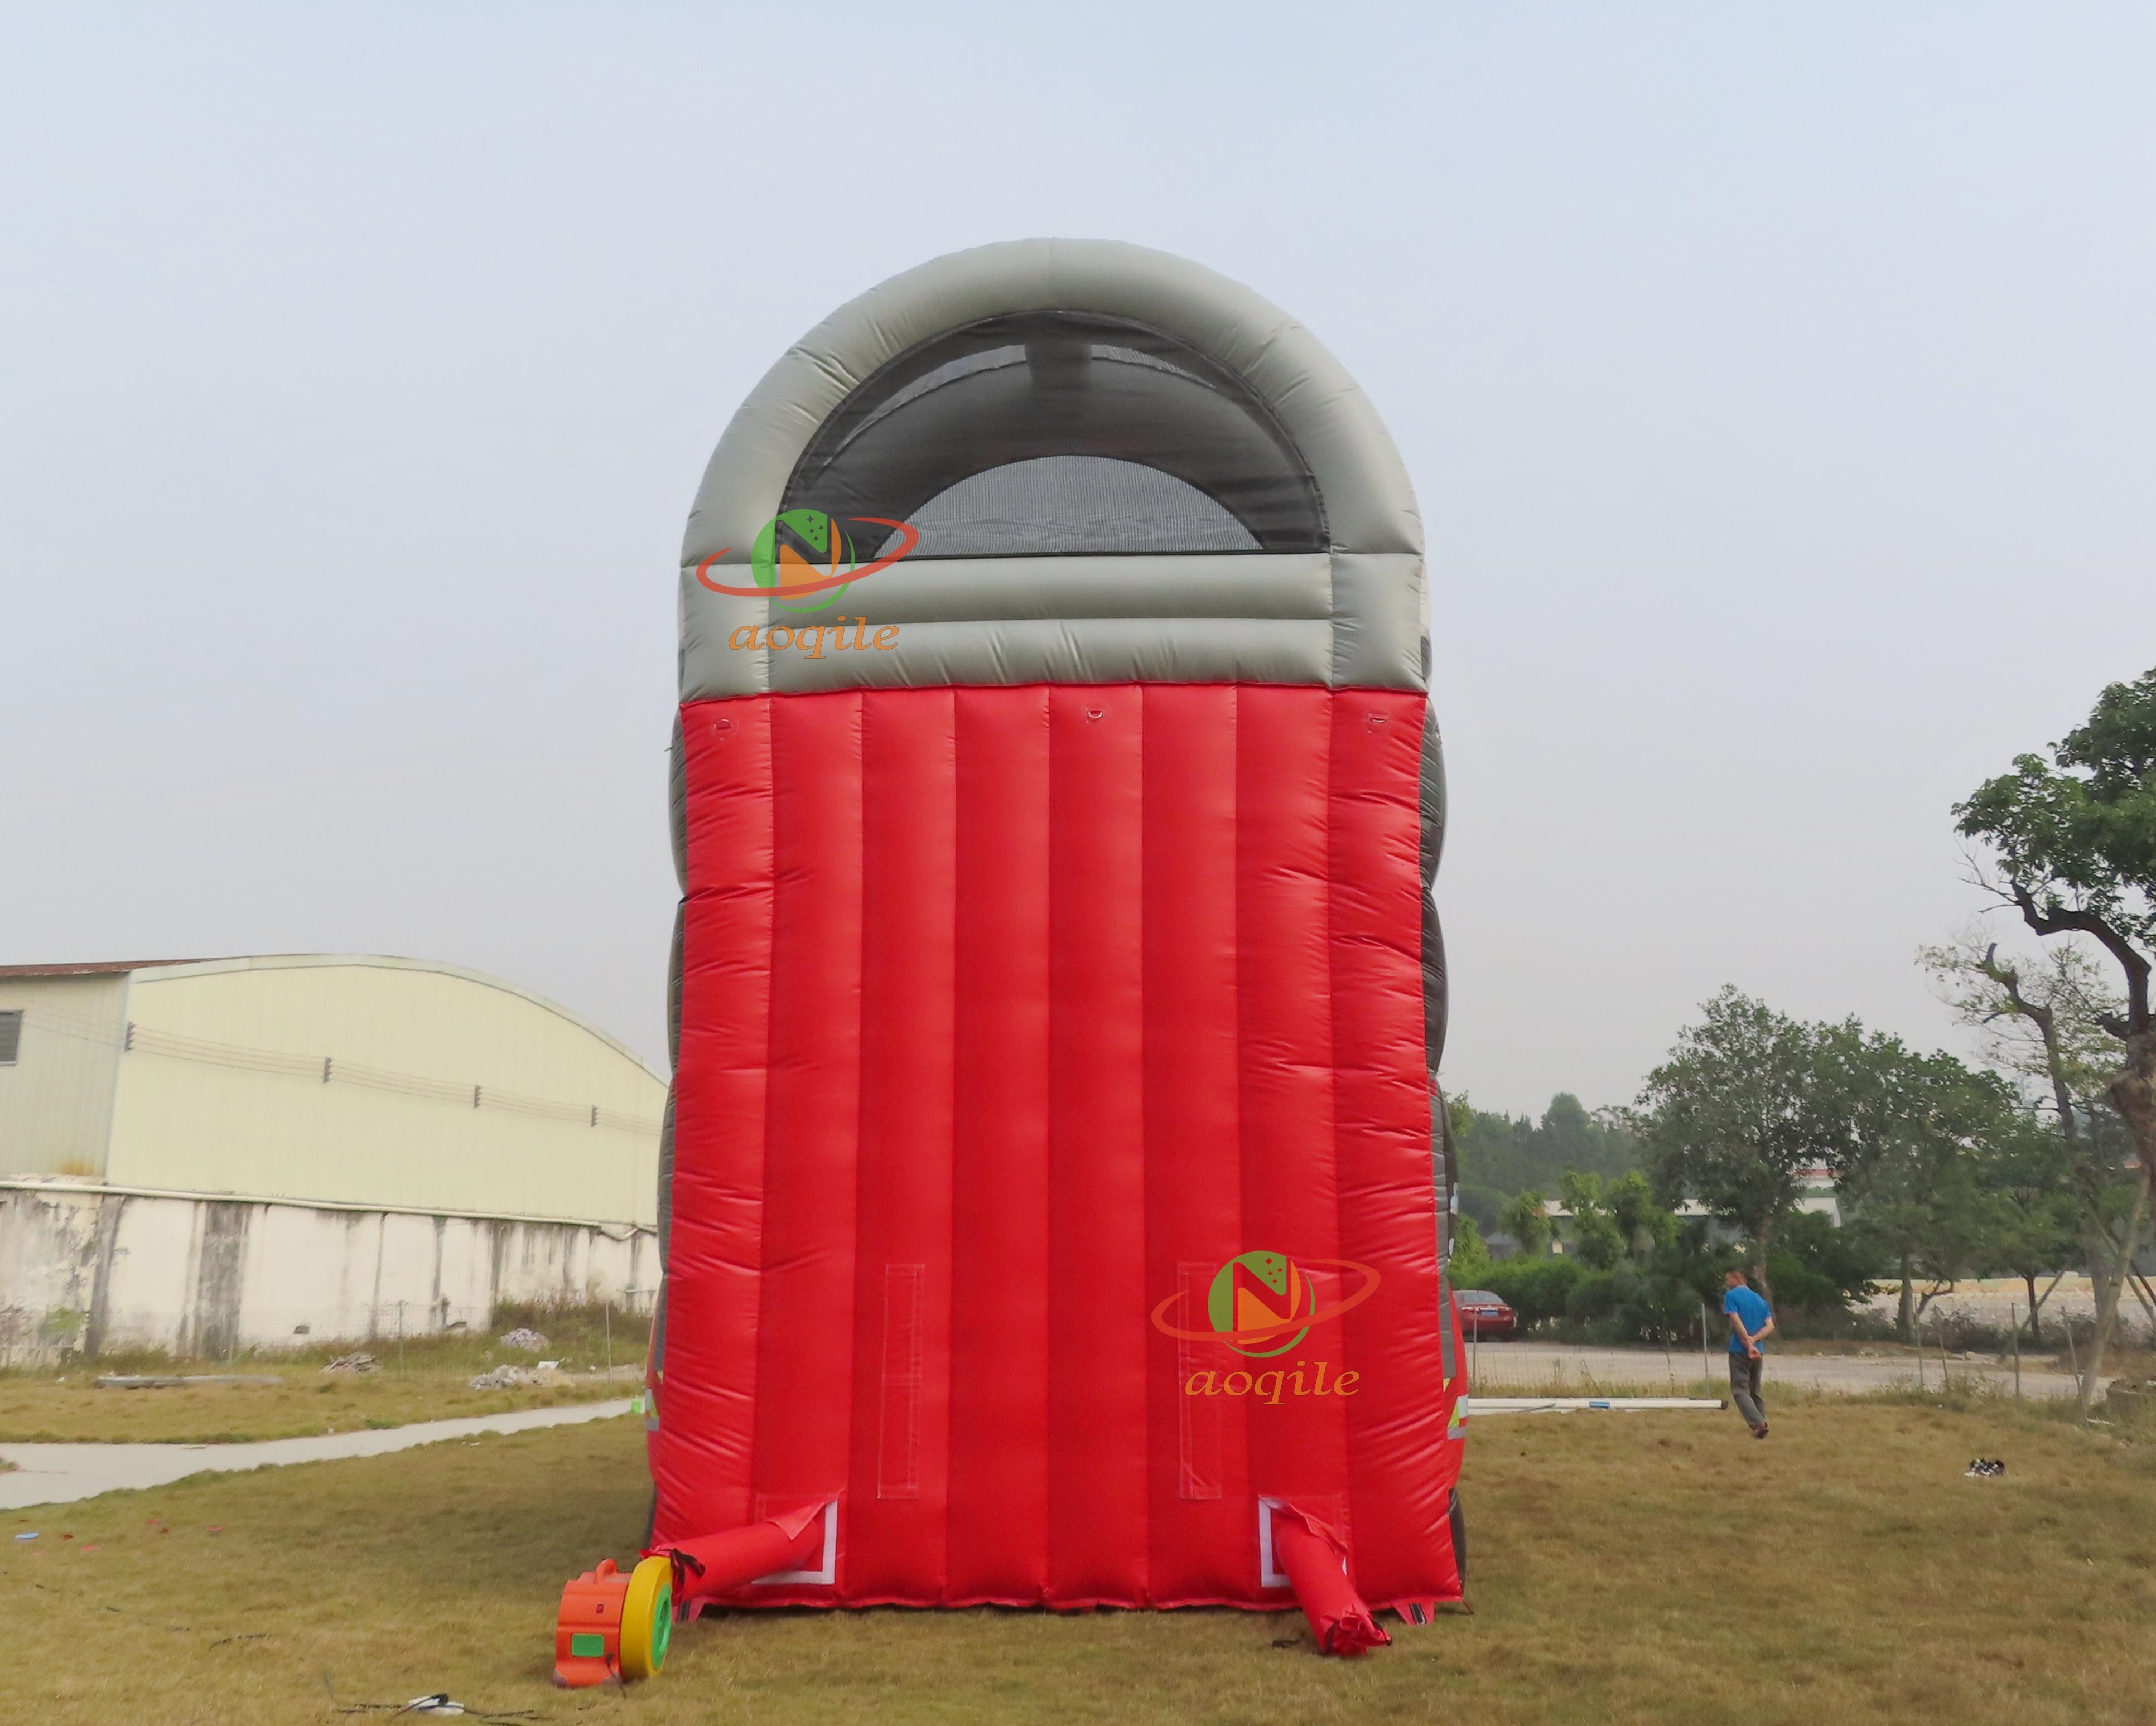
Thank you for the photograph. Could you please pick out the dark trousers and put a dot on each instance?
(1744, 1388)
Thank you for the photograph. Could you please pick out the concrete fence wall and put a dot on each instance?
(92, 1269)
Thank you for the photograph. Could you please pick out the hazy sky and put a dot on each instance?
(1777, 383)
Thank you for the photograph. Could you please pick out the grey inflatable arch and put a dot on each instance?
(1349, 611)
(1331, 596)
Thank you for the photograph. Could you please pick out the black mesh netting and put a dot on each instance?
(1063, 504)
(1060, 433)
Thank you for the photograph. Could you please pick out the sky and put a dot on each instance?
(1777, 385)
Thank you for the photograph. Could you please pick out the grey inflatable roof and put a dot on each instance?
(1285, 545)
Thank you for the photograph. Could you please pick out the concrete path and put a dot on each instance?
(61, 1473)
(1481, 1407)
(1495, 1366)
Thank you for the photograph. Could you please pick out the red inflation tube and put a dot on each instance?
(716, 1563)
(1314, 1559)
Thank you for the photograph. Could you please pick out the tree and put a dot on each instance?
(1614, 1222)
(1911, 1178)
(2043, 1023)
(2075, 840)
(1749, 1101)
(2038, 1210)
(1501, 1155)
(1525, 1221)
(1471, 1261)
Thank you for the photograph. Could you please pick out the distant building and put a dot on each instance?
(1818, 1196)
(213, 1154)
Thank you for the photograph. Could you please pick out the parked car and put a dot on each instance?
(1481, 1313)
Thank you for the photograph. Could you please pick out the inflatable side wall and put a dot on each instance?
(1055, 1196)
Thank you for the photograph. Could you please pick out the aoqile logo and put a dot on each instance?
(1263, 1304)
(803, 560)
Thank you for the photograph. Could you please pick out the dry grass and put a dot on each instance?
(1627, 1568)
(306, 1402)
(421, 1378)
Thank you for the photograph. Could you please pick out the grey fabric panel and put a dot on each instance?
(677, 816)
(1034, 609)
(1083, 650)
(982, 589)
(1444, 1171)
(1436, 1002)
(679, 799)
(674, 989)
(1436, 987)
(1251, 619)
(1444, 1174)
(1377, 621)
(1433, 797)
(1369, 503)
(665, 1182)
(658, 1372)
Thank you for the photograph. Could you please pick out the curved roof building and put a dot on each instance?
(346, 1078)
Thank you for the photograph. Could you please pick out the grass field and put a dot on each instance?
(1626, 1568)
(43, 1411)
(424, 1378)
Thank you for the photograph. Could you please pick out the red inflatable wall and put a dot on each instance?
(1010, 1017)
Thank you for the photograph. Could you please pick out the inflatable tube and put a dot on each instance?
(1315, 1557)
(713, 1565)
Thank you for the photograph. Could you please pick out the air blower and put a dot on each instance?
(614, 1624)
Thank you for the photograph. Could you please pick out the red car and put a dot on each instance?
(1481, 1313)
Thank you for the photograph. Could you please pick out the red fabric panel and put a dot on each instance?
(998, 1545)
(1298, 1446)
(1096, 1269)
(1202, 1525)
(1048, 1004)
(701, 1454)
(894, 1549)
(805, 1369)
(1387, 1215)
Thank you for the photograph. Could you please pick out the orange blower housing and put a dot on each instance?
(614, 1625)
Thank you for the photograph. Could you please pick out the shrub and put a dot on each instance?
(1536, 1289)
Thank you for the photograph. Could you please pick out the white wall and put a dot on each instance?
(56, 1098)
(202, 1276)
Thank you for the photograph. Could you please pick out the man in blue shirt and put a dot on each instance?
(1750, 1320)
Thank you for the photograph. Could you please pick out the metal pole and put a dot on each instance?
(609, 1336)
(2013, 1322)
(400, 1336)
(1706, 1377)
(1920, 1357)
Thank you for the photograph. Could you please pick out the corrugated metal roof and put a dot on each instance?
(92, 968)
(268, 962)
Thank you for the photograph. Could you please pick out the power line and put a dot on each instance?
(329, 1069)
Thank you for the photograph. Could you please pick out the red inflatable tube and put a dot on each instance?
(1316, 1560)
(716, 1563)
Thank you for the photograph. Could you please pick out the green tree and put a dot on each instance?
(1748, 1101)
(1913, 1180)
(2039, 1209)
(1470, 1262)
(1526, 1222)
(2042, 1024)
(1502, 1156)
(1617, 1220)
(2075, 840)
(1818, 1265)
